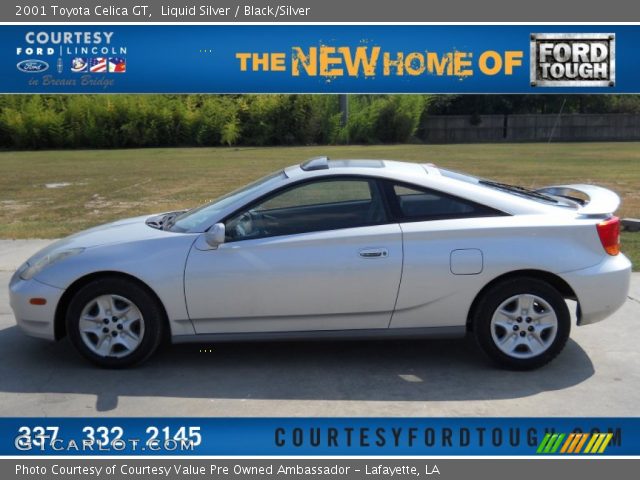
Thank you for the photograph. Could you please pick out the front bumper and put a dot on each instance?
(34, 320)
(601, 289)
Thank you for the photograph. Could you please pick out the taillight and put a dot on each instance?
(609, 233)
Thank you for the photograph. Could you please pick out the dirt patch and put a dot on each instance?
(97, 203)
(14, 206)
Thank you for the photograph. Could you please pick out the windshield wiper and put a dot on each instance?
(519, 189)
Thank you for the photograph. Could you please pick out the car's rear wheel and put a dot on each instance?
(522, 323)
(114, 322)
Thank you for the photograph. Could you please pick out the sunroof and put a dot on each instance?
(323, 163)
(356, 163)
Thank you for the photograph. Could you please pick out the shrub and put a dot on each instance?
(126, 121)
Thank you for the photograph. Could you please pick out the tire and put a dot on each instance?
(115, 322)
(522, 323)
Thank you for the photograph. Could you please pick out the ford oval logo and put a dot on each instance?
(32, 66)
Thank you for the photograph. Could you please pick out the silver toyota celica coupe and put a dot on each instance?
(337, 249)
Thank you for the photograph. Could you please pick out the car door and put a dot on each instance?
(319, 255)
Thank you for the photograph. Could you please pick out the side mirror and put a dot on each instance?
(215, 236)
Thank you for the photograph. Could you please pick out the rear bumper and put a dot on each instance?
(34, 320)
(601, 289)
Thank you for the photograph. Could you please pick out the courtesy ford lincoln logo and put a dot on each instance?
(32, 66)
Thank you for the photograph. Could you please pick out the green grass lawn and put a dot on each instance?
(104, 185)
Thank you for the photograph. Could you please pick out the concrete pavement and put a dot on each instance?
(598, 374)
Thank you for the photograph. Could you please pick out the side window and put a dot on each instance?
(314, 206)
(320, 193)
(417, 204)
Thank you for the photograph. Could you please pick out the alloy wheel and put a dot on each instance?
(111, 326)
(524, 326)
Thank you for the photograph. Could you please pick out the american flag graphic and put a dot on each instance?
(117, 65)
(98, 64)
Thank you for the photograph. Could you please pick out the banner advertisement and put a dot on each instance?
(321, 437)
(536, 59)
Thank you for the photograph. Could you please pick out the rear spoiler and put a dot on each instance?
(594, 200)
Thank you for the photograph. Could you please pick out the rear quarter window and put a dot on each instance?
(416, 204)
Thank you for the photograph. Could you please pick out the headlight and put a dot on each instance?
(32, 270)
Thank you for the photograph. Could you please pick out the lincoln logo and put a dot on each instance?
(573, 60)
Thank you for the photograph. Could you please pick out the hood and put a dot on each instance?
(122, 231)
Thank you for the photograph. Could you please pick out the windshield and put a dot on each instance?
(199, 218)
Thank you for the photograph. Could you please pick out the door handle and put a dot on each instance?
(373, 252)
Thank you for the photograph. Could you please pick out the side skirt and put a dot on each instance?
(372, 334)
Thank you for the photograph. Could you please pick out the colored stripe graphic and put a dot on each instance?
(577, 442)
(591, 442)
(558, 442)
(567, 444)
(606, 442)
(601, 442)
(543, 443)
(574, 442)
(596, 445)
(551, 443)
(583, 440)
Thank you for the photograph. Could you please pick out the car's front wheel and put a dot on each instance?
(522, 323)
(114, 322)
